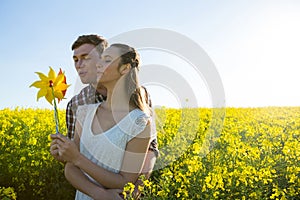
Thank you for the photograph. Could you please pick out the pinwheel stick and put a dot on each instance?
(55, 109)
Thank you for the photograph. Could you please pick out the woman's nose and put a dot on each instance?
(99, 65)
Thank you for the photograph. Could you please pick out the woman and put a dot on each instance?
(111, 138)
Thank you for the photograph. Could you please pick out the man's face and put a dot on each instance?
(85, 58)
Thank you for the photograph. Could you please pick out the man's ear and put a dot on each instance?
(124, 69)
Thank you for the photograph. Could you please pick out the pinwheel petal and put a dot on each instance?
(49, 96)
(52, 74)
(61, 87)
(59, 79)
(38, 84)
(42, 92)
(58, 94)
(42, 76)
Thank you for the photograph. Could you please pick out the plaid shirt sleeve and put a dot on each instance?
(70, 120)
(80, 99)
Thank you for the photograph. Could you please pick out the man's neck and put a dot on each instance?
(101, 89)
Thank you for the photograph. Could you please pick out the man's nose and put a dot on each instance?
(79, 64)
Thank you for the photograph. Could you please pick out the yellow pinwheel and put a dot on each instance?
(51, 86)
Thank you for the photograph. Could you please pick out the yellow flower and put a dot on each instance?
(52, 81)
(147, 183)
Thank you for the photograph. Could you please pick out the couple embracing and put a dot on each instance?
(111, 135)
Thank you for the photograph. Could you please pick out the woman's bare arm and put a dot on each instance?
(133, 160)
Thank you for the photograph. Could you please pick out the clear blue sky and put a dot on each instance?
(255, 45)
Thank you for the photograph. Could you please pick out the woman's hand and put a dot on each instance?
(54, 148)
(63, 149)
(114, 194)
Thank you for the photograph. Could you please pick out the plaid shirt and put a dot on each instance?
(89, 95)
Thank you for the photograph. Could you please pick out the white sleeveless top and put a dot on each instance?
(107, 149)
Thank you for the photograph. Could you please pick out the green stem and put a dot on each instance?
(55, 113)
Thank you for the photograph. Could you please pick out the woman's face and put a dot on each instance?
(108, 66)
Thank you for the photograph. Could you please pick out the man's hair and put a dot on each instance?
(98, 41)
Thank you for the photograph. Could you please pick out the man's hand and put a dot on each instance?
(106, 194)
(114, 194)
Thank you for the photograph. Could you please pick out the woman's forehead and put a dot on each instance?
(111, 51)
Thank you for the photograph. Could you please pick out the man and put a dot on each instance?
(87, 50)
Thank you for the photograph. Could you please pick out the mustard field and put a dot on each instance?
(232, 153)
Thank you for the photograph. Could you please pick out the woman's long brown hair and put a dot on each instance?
(138, 94)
